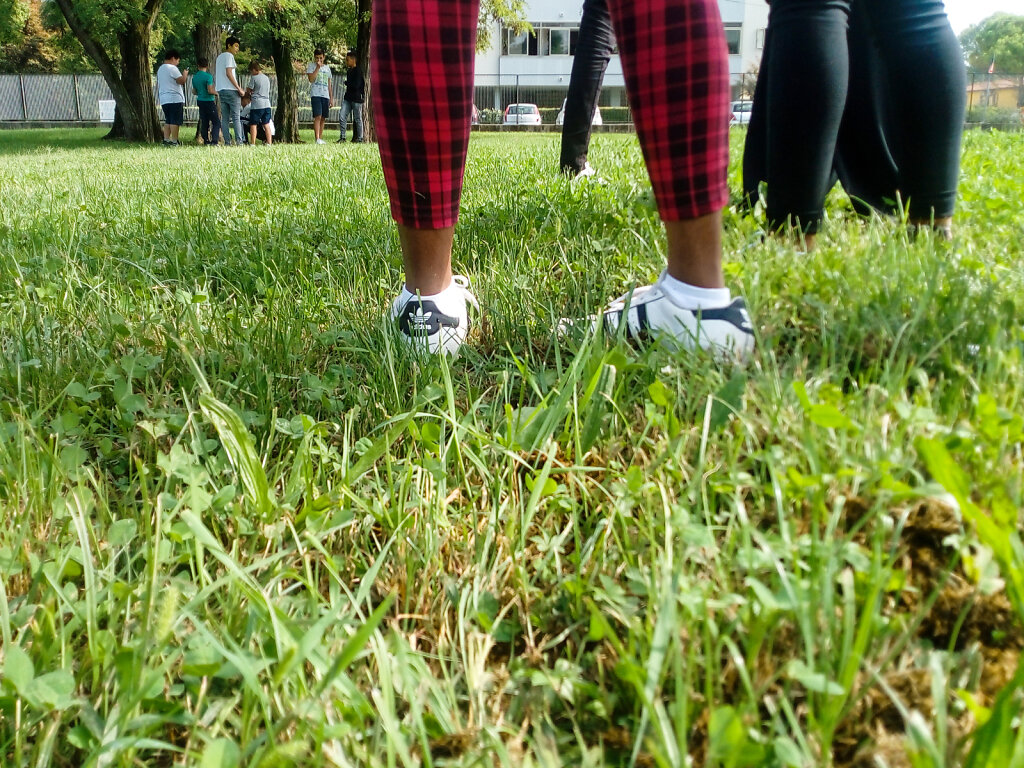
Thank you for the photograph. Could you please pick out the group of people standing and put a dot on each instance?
(322, 96)
(250, 104)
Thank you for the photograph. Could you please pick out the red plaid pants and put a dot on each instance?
(677, 77)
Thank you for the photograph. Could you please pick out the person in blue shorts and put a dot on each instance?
(259, 112)
(170, 87)
(320, 95)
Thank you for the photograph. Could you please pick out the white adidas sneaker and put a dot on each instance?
(438, 323)
(588, 172)
(648, 313)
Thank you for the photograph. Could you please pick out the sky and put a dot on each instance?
(963, 13)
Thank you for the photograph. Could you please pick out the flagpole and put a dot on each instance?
(988, 86)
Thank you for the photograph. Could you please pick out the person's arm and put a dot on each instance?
(210, 89)
(182, 78)
(312, 75)
(330, 93)
(230, 72)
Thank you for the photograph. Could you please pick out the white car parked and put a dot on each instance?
(597, 120)
(740, 112)
(522, 114)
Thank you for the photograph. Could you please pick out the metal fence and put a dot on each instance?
(996, 99)
(75, 98)
(52, 98)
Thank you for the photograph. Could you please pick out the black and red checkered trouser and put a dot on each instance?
(677, 77)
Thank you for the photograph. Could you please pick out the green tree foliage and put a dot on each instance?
(999, 37)
(34, 40)
(511, 13)
(13, 15)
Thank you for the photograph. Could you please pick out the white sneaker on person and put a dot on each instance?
(587, 172)
(320, 141)
(649, 313)
(438, 323)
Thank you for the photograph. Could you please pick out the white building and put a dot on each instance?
(536, 67)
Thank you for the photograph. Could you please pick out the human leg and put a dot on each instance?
(320, 107)
(675, 63)
(807, 85)
(231, 108)
(925, 75)
(346, 106)
(593, 51)
(755, 142)
(215, 125)
(204, 121)
(225, 115)
(863, 161)
(235, 107)
(357, 123)
(422, 107)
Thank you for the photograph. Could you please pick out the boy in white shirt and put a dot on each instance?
(320, 95)
(259, 112)
(170, 89)
(230, 91)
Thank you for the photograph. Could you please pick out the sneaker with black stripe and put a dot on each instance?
(435, 324)
(648, 313)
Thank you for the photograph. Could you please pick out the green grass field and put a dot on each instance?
(238, 526)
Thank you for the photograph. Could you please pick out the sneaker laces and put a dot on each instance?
(462, 282)
(630, 296)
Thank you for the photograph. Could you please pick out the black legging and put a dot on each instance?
(594, 48)
(863, 163)
(922, 77)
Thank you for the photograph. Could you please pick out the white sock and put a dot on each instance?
(407, 294)
(692, 297)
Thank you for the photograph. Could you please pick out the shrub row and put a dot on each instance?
(1001, 119)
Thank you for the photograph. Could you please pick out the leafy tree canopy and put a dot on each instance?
(13, 15)
(999, 37)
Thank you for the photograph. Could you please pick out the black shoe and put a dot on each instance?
(340, 141)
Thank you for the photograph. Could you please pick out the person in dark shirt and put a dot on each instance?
(352, 104)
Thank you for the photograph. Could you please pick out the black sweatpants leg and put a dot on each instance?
(927, 87)
(808, 73)
(593, 51)
(209, 122)
(864, 162)
(755, 143)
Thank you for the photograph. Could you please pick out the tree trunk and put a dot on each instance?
(141, 123)
(135, 117)
(286, 118)
(206, 41)
(364, 11)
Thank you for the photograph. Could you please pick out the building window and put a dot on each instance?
(732, 37)
(559, 42)
(759, 39)
(546, 40)
(515, 44)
